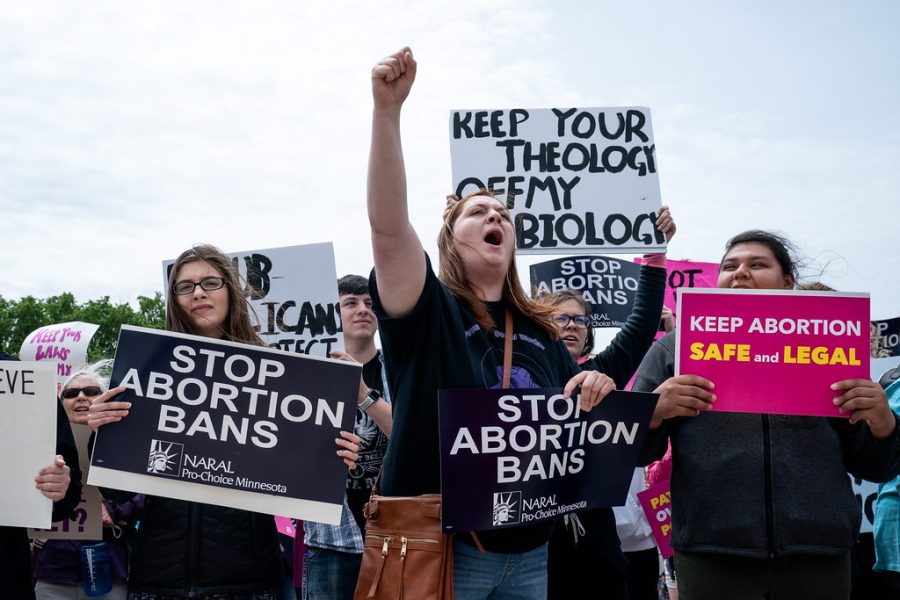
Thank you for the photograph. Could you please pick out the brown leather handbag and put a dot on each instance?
(406, 555)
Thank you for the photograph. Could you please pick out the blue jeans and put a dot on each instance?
(329, 574)
(494, 576)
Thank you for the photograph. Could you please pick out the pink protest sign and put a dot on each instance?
(657, 504)
(773, 351)
(286, 526)
(687, 274)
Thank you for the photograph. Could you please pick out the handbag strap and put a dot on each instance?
(507, 350)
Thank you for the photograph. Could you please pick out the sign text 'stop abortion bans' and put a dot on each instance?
(228, 424)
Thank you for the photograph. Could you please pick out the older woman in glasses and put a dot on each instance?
(57, 566)
(585, 557)
(188, 549)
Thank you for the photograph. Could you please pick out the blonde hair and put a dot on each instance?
(453, 275)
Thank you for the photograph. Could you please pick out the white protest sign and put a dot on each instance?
(86, 521)
(292, 292)
(27, 440)
(577, 180)
(66, 344)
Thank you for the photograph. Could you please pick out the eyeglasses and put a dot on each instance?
(580, 321)
(207, 284)
(89, 391)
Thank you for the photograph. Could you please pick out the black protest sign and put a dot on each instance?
(886, 338)
(526, 455)
(609, 284)
(228, 424)
(577, 180)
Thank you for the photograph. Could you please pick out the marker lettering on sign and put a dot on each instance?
(309, 318)
(548, 157)
(14, 381)
(482, 123)
(570, 229)
(584, 124)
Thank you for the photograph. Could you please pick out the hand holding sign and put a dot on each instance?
(682, 396)
(103, 411)
(594, 388)
(866, 401)
(53, 480)
(665, 223)
(392, 79)
(349, 452)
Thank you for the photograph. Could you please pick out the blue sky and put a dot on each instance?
(129, 131)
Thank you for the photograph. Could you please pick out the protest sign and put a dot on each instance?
(866, 492)
(577, 180)
(285, 525)
(229, 424)
(527, 455)
(771, 351)
(609, 284)
(27, 440)
(886, 338)
(86, 522)
(292, 292)
(687, 274)
(657, 504)
(65, 344)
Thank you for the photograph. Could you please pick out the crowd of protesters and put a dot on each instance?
(762, 506)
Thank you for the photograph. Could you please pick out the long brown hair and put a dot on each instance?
(237, 326)
(453, 274)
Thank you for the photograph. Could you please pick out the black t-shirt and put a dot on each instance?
(439, 345)
(373, 445)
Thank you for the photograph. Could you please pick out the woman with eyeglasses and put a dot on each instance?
(585, 551)
(57, 567)
(189, 549)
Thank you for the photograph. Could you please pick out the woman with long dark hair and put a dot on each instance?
(761, 504)
(188, 549)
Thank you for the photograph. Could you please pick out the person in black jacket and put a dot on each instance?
(59, 481)
(585, 556)
(761, 503)
(188, 549)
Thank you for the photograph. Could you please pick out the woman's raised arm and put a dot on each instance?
(399, 258)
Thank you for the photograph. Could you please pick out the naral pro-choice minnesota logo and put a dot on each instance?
(507, 508)
(164, 458)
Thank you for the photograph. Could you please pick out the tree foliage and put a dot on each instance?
(18, 318)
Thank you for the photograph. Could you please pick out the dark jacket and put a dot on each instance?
(573, 567)
(59, 561)
(15, 556)
(763, 486)
(187, 549)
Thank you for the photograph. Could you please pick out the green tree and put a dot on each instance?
(18, 318)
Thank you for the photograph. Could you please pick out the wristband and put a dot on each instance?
(371, 398)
